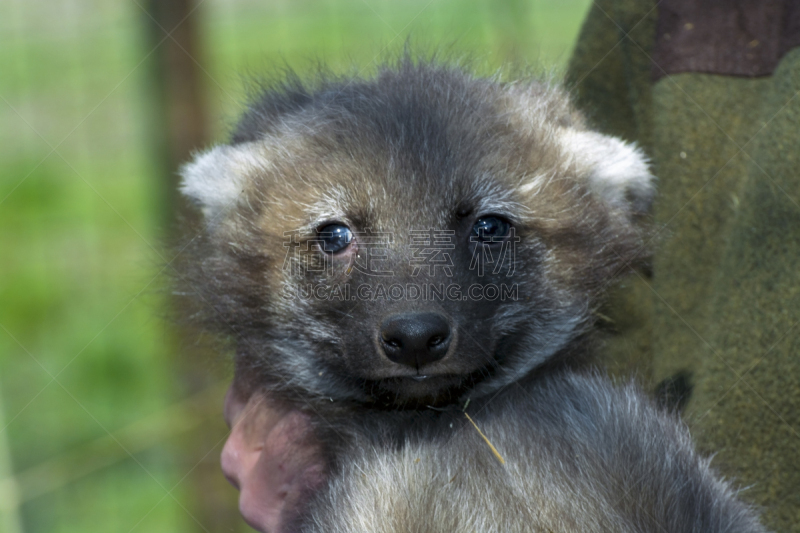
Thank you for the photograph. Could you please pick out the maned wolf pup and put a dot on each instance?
(383, 250)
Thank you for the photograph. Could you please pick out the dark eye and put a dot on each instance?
(334, 238)
(490, 229)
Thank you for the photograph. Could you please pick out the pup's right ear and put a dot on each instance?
(617, 171)
(215, 179)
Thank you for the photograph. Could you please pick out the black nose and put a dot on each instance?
(415, 339)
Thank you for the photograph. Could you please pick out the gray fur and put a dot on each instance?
(580, 455)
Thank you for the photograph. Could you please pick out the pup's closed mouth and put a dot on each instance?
(418, 391)
(426, 382)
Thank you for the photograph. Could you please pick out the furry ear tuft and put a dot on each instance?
(215, 179)
(617, 171)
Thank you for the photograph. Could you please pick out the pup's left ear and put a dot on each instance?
(617, 171)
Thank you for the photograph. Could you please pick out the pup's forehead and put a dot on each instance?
(302, 181)
(384, 186)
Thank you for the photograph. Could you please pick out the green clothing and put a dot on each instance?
(723, 302)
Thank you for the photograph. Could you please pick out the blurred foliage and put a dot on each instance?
(91, 410)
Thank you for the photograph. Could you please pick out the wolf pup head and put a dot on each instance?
(410, 238)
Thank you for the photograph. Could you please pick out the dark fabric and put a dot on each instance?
(731, 37)
(747, 397)
(720, 313)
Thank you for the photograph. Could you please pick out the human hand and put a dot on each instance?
(272, 458)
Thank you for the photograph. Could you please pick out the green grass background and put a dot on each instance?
(94, 414)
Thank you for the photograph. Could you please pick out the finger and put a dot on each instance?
(237, 458)
(250, 423)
